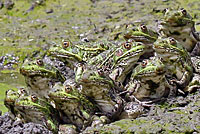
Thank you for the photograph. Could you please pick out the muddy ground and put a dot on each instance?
(31, 26)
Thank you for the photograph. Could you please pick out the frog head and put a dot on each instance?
(169, 49)
(141, 34)
(149, 68)
(10, 98)
(39, 68)
(67, 52)
(86, 74)
(177, 17)
(61, 92)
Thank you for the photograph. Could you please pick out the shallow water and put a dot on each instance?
(9, 80)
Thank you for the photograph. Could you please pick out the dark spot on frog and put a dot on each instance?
(184, 39)
(152, 85)
(175, 33)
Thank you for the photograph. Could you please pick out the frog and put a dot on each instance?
(176, 59)
(118, 61)
(74, 107)
(148, 81)
(180, 25)
(37, 110)
(9, 101)
(40, 76)
(100, 88)
(74, 53)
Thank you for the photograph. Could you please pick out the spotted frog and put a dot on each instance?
(179, 25)
(73, 106)
(36, 110)
(39, 76)
(100, 88)
(148, 81)
(176, 59)
(118, 61)
(9, 101)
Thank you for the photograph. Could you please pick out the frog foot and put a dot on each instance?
(99, 121)
(143, 103)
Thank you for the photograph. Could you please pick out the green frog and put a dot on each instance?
(148, 81)
(36, 110)
(9, 101)
(179, 25)
(39, 76)
(100, 88)
(73, 54)
(118, 61)
(73, 106)
(176, 59)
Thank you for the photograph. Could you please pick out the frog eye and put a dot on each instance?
(119, 52)
(68, 88)
(60, 64)
(100, 72)
(65, 44)
(22, 90)
(39, 62)
(172, 41)
(34, 98)
(165, 10)
(79, 64)
(144, 63)
(127, 45)
(143, 27)
(183, 11)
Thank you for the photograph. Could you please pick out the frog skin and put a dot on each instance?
(39, 76)
(148, 81)
(36, 110)
(118, 61)
(71, 104)
(100, 88)
(9, 101)
(176, 59)
(195, 82)
(73, 54)
(179, 25)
